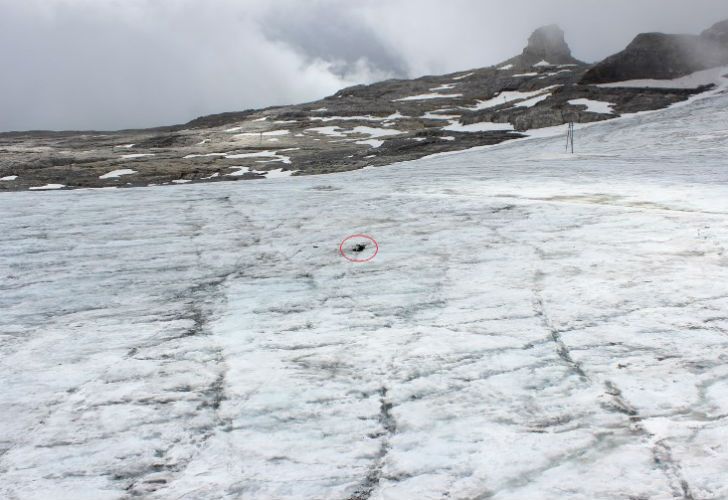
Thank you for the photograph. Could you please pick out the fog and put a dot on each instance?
(111, 64)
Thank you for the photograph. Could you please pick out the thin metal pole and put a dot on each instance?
(572, 137)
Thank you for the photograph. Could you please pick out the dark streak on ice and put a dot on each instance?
(389, 427)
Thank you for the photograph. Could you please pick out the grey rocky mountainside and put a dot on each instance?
(662, 56)
(365, 125)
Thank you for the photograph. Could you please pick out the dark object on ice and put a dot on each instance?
(359, 247)
(663, 56)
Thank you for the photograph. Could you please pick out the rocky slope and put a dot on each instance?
(661, 56)
(366, 125)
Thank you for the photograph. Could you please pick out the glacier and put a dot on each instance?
(535, 325)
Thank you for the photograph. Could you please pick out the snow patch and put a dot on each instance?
(136, 155)
(478, 127)
(118, 173)
(529, 103)
(423, 97)
(508, 96)
(9, 178)
(47, 187)
(604, 108)
(711, 76)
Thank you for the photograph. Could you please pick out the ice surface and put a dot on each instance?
(535, 326)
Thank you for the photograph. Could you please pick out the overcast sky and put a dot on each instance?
(110, 64)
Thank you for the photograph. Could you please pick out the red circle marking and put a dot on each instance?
(365, 236)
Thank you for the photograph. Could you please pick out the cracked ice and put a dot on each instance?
(535, 325)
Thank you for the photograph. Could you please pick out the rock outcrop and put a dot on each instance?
(717, 33)
(664, 56)
(547, 44)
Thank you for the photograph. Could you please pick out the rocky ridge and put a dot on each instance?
(664, 56)
(365, 125)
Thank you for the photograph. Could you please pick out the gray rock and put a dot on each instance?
(664, 56)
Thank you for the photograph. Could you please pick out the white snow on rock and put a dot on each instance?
(375, 132)
(375, 143)
(456, 126)
(434, 115)
(592, 106)
(273, 155)
(47, 187)
(136, 155)
(530, 328)
(444, 86)
(394, 116)
(126, 146)
(529, 103)
(372, 132)
(9, 178)
(330, 131)
(269, 133)
(509, 96)
(506, 67)
(524, 75)
(203, 155)
(235, 129)
(240, 171)
(181, 181)
(423, 97)
(269, 174)
(713, 76)
(462, 77)
(542, 64)
(118, 173)
(278, 173)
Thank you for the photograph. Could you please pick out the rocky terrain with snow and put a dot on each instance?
(368, 125)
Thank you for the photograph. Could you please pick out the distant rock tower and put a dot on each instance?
(547, 44)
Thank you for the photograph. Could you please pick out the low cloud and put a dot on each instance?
(110, 64)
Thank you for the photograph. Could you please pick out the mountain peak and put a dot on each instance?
(548, 43)
(718, 32)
